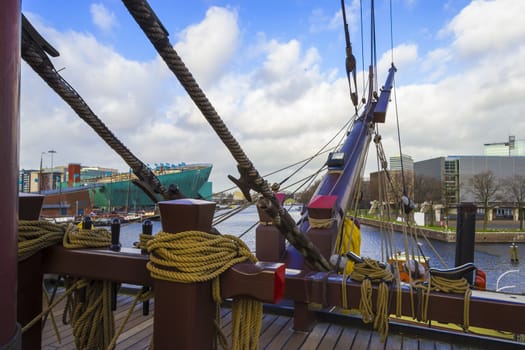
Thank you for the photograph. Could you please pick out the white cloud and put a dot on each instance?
(282, 105)
(104, 19)
(485, 27)
(207, 47)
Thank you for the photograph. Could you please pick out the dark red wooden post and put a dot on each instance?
(184, 311)
(9, 119)
(30, 276)
(269, 242)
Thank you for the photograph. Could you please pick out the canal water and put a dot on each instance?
(493, 258)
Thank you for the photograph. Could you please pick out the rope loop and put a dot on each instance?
(370, 271)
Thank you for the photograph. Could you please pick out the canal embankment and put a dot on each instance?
(495, 235)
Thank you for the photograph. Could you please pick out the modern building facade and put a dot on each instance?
(512, 147)
(455, 174)
(405, 162)
(400, 180)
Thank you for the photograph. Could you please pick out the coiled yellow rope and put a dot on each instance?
(369, 272)
(34, 236)
(76, 237)
(194, 256)
(143, 241)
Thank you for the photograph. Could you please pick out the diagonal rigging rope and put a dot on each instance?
(250, 178)
(33, 47)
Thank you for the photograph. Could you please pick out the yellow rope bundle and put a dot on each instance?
(143, 241)
(88, 306)
(34, 236)
(460, 286)
(76, 237)
(88, 310)
(194, 256)
(369, 272)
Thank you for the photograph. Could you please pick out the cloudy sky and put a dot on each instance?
(274, 70)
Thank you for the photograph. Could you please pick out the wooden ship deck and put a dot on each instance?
(332, 331)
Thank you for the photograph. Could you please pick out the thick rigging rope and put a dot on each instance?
(250, 178)
(33, 53)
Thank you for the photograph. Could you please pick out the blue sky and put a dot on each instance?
(274, 70)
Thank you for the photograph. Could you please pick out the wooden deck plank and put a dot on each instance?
(376, 343)
(410, 343)
(442, 346)
(272, 331)
(280, 339)
(425, 344)
(331, 337)
(315, 336)
(346, 339)
(296, 340)
(362, 339)
(394, 342)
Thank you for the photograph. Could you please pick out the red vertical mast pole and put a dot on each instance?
(9, 134)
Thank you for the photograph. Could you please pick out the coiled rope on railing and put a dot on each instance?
(368, 272)
(88, 302)
(34, 236)
(76, 237)
(195, 256)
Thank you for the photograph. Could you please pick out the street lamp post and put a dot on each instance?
(40, 173)
(52, 152)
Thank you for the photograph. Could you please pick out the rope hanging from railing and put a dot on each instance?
(195, 256)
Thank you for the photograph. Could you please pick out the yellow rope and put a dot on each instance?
(143, 240)
(34, 236)
(76, 237)
(49, 308)
(90, 317)
(141, 296)
(367, 272)
(52, 317)
(194, 256)
(88, 307)
(320, 223)
(445, 285)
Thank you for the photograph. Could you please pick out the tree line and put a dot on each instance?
(484, 187)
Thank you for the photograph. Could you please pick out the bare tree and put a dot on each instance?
(484, 187)
(427, 188)
(306, 196)
(514, 188)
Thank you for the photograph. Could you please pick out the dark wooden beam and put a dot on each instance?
(487, 309)
(126, 266)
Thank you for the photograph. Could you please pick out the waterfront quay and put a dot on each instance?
(500, 231)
